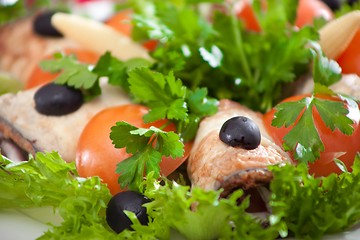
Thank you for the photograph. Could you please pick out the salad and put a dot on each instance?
(199, 53)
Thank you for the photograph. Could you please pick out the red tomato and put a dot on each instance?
(349, 60)
(307, 11)
(247, 14)
(336, 143)
(38, 76)
(97, 156)
(121, 22)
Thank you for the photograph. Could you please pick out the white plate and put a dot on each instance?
(30, 224)
(26, 224)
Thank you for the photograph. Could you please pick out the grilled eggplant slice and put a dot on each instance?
(33, 132)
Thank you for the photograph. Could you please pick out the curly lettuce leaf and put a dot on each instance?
(47, 180)
(302, 205)
(196, 214)
(312, 207)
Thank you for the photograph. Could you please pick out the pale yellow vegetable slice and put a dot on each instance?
(97, 36)
(336, 35)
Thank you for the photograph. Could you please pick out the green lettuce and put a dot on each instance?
(301, 205)
(312, 207)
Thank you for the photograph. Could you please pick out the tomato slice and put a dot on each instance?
(349, 60)
(336, 144)
(97, 156)
(39, 77)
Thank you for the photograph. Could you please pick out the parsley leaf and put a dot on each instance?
(305, 148)
(169, 99)
(147, 147)
(87, 78)
(73, 74)
(325, 71)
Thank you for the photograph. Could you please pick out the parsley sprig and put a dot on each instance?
(168, 99)
(147, 147)
(87, 77)
(221, 55)
(303, 139)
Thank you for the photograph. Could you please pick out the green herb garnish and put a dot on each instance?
(231, 62)
(301, 205)
(167, 99)
(303, 139)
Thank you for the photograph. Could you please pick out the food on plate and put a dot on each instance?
(214, 164)
(205, 85)
(33, 131)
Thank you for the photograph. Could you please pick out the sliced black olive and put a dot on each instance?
(240, 132)
(130, 201)
(57, 100)
(42, 25)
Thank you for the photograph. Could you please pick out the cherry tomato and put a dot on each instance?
(247, 14)
(121, 22)
(349, 60)
(97, 156)
(38, 76)
(307, 11)
(336, 144)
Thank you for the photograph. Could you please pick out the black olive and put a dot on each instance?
(42, 25)
(130, 201)
(352, 2)
(240, 132)
(333, 4)
(57, 100)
